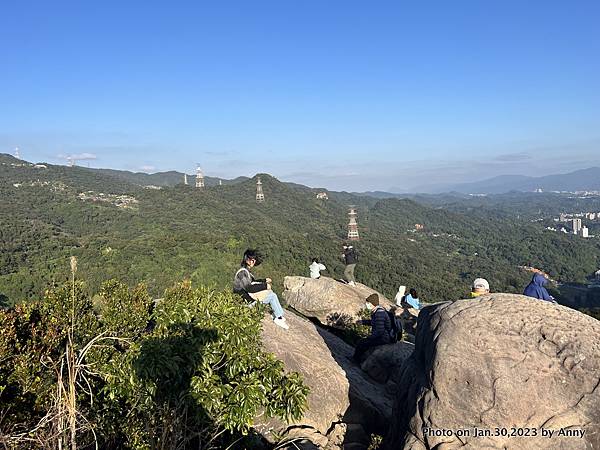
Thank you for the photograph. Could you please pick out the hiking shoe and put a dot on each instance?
(281, 323)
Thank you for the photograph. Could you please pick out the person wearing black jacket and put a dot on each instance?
(253, 289)
(350, 257)
(381, 327)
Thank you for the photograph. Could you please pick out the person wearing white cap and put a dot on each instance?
(480, 287)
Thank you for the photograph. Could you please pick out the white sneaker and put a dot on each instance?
(281, 323)
(251, 305)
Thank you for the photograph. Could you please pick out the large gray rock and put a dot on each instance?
(340, 392)
(385, 361)
(500, 362)
(331, 302)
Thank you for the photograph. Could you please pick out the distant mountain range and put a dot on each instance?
(164, 179)
(580, 180)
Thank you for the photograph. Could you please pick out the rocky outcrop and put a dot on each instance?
(383, 362)
(408, 319)
(506, 365)
(331, 302)
(342, 397)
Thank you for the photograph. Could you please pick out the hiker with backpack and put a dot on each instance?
(350, 257)
(384, 328)
(253, 289)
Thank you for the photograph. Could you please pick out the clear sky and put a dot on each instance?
(347, 94)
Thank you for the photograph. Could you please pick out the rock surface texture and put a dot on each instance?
(505, 363)
(342, 397)
(383, 362)
(331, 302)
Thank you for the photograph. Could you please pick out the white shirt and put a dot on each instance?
(399, 295)
(315, 269)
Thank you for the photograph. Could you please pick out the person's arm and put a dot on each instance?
(257, 287)
(546, 296)
(322, 267)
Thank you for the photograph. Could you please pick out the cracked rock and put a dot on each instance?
(499, 362)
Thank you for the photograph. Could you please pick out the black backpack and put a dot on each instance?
(396, 327)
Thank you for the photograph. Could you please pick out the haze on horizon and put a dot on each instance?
(391, 96)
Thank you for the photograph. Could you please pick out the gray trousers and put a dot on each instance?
(349, 272)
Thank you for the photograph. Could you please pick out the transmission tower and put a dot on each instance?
(260, 196)
(352, 224)
(199, 177)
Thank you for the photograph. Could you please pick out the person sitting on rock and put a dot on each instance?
(381, 327)
(480, 287)
(350, 257)
(400, 295)
(315, 269)
(412, 299)
(537, 290)
(252, 289)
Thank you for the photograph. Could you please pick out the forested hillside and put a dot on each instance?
(171, 178)
(162, 236)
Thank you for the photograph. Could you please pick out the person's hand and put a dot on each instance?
(269, 281)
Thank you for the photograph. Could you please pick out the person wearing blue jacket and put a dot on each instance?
(537, 290)
(413, 299)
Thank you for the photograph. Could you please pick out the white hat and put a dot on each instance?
(481, 283)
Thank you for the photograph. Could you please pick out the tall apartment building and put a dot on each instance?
(576, 224)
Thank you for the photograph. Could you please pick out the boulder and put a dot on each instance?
(340, 392)
(331, 302)
(384, 361)
(506, 365)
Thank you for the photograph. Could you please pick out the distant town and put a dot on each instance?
(574, 223)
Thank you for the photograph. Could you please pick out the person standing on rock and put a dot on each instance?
(252, 289)
(350, 257)
(315, 269)
(381, 328)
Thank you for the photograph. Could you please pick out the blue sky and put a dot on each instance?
(346, 95)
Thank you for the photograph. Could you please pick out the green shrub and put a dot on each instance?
(186, 372)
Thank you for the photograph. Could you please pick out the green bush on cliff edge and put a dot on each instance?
(121, 371)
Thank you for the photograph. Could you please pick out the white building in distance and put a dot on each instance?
(576, 226)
